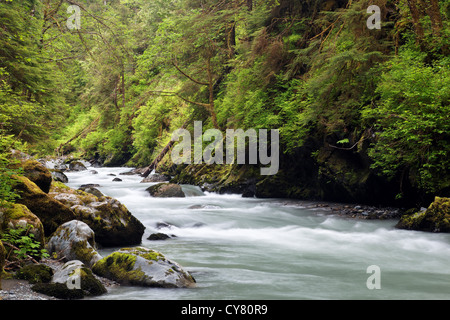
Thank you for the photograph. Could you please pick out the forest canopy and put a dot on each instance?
(116, 86)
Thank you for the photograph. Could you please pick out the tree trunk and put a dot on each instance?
(415, 15)
(432, 9)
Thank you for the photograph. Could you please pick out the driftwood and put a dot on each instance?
(161, 156)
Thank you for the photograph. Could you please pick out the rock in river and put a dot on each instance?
(166, 190)
(143, 267)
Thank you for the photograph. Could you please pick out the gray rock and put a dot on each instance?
(75, 240)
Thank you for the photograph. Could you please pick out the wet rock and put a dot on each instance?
(158, 236)
(117, 180)
(166, 190)
(143, 267)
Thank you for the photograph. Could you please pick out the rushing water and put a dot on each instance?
(247, 248)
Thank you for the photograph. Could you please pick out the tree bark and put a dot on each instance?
(415, 15)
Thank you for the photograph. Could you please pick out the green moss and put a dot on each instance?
(435, 219)
(35, 273)
(119, 266)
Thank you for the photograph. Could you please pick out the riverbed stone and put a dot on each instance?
(434, 219)
(143, 267)
(166, 190)
(74, 240)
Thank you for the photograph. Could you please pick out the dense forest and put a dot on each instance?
(363, 113)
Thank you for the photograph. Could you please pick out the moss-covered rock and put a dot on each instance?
(74, 240)
(15, 216)
(435, 219)
(166, 190)
(38, 173)
(72, 281)
(58, 290)
(77, 166)
(143, 267)
(51, 212)
(110, 220)
(35, 273)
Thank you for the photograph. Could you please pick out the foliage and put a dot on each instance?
(24, 245)
(412, 120)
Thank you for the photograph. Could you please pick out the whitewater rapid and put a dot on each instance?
(248, 248)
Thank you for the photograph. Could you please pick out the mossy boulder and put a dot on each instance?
(74, 240)
(166, 190)
(435, 219)
(35, 273)
(77, 166)
(38, 173)
(110, 220)
(51, 212)
(143, 267)
(72, 281)
(15, 216)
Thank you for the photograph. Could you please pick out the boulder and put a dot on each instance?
(74, 240)
(117, 180)
(434, 219)
(92, 190)
(166, 190)
(110, 220)
(156, 178)
(16, 216)
(59, 176)
(51, 212)
(143, 267)
(158, 236)
(72, 281)
(37, 173)
(77, 166)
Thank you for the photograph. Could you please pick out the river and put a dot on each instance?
(260, 249)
